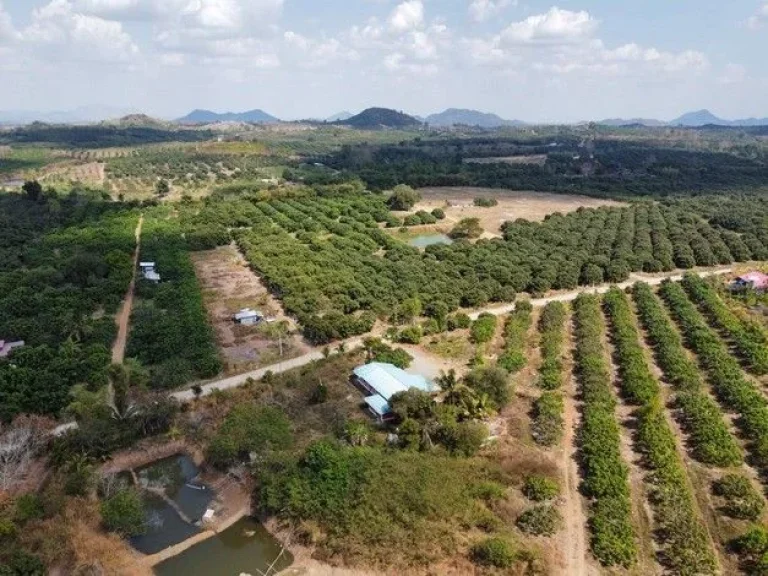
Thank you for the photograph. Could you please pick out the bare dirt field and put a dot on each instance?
(534, 206)
(229, 285)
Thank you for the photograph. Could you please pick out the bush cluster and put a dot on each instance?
(742, 500)
(710, 440)
(605, 479)
(748, 337)
(735, 391)
(514, 359)
(541, 520)
(685, 542)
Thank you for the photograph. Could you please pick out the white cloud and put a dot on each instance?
(399, 63)
(7, 31)
(555, 26)
(733, 74)
(319, 53)
(759, 18)
(482, 10)
(60, 33)
(407, 16)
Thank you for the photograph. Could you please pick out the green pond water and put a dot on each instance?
(429, 240)
(244, 548)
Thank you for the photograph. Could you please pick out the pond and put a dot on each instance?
(244, 548)
(174, 503)
(429, 240)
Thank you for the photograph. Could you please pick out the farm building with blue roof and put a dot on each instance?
(382, 381)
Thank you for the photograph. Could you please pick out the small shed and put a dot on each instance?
(149, 272)
(7, 347)
(248, 317)
(753, 280)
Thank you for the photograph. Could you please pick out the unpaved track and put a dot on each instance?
(124, 317)
(602, 289)
(574, 545)
(235, 381)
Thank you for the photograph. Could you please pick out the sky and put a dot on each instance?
(533, 60)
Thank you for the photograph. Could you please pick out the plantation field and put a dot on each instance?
(327, 258)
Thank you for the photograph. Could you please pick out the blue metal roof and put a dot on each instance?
(387, 380)
(379, 406)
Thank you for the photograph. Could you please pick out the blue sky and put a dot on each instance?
(535, 60)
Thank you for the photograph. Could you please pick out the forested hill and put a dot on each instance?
(381, 118)
(99, 136)
(566, 164)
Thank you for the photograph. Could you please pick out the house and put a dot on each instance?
(753, 280)
(149, 272)
(7, 347)
(248, 317)
(382, 381)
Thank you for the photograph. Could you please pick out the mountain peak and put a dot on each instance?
(201, 116)
(466, 117)
(373, 118)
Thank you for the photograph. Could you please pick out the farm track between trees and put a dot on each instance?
(239, 380)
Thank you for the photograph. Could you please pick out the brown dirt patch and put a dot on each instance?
(533, 206)
(229, 285)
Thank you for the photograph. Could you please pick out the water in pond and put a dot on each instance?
(172, 519)
(244, 548)
(429, 240)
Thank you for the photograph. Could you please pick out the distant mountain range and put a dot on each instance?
(463, 117)
(695, 119)
(81, 115)
(207, 117)
(339, 117)
(374, 118)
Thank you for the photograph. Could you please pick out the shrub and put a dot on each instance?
(495, 552)
(540, 521)
(547, 426)
(438, 213)
(247, 429)
(540, 488)
(485, 202)
(410, 335)
(459, 321)
(492, 381)
(403, 198)
(467, 228)
(123, 513)
(483, 329)
(741, 499)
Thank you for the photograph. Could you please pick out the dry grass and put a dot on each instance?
(533, 206)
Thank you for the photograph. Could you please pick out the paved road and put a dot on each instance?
(237, 381)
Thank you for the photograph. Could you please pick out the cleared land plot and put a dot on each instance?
(534, 206)
(229, 285)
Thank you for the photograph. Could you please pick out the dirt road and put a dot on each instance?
(602, 289)
(235, 381)
(124, 316)
(574, 544)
